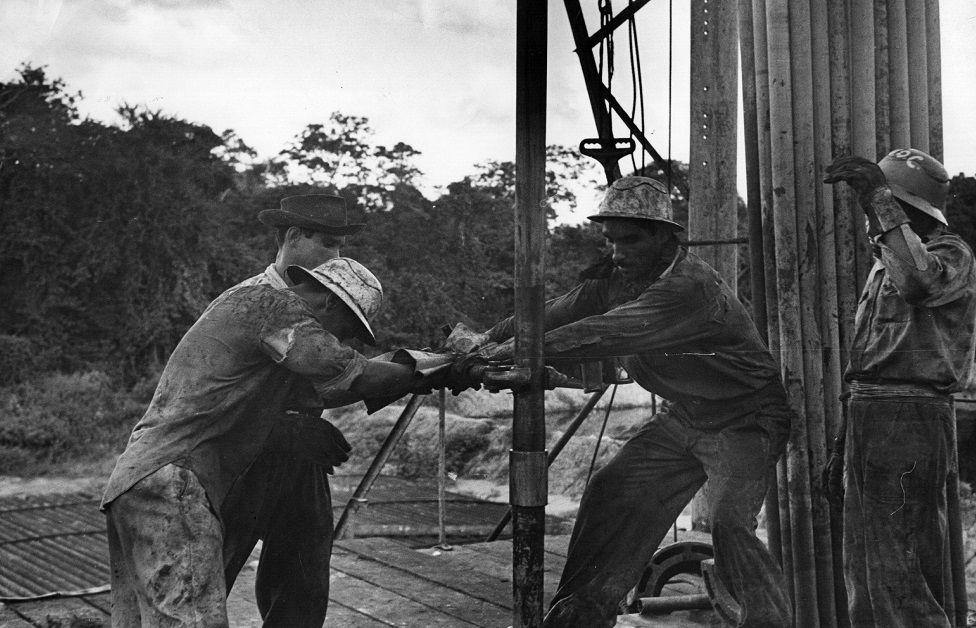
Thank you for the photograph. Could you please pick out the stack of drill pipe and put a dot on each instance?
(827, 79)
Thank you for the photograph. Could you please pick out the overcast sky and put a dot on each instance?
(436, 74)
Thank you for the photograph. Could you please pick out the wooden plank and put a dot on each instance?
(386, 607)
(341, 617)
(396, 556)
(501, 551)
(419, 589)
(499, 568)
(101, 601)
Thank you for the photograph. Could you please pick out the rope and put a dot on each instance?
(637, 85)
(596, 449)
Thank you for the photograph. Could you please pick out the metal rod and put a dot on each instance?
(569, 432)
(788, 260)
(441, 466)
(670, 603)
(379, 461)
(527, 489)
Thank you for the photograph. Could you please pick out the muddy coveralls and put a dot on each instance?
(219, 397)
(688, 339)
(284, 500)
(913, 346)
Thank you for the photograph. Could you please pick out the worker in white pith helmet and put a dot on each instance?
(255, 351)
(913, 347)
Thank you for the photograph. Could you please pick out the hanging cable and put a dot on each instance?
(606, 14)
(599, 439)
(637, 87)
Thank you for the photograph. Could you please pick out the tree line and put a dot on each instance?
(114, 237)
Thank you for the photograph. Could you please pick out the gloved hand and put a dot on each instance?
(832, 479)
(309, 438)
(867, 180)
(458, 377)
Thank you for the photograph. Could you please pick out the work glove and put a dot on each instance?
(309, 438)
(872, 191)
(832, 478)
(459, 376)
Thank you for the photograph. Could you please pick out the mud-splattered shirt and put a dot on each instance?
(685, 337)
(226, 382)
(916, 326)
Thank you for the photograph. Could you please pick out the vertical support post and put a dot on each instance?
(712, 194)
(441, 467)
(712, 198)
(528, 472)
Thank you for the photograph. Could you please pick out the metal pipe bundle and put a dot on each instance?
(828, 79)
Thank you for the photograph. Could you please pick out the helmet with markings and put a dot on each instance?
(918, 179)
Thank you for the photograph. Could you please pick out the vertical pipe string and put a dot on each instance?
(862, 116)
(528, 486)
(441, 468)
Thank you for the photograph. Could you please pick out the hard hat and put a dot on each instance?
(639, 198)
(350, 281)
(918, 179)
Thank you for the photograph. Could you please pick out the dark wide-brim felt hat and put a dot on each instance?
(319, 212)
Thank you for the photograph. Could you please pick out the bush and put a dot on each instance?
(62, 418)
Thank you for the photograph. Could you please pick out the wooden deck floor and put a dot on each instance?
(58, 543)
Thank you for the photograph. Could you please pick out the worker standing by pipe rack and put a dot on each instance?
(914, 342)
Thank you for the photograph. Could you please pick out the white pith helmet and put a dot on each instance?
(352, 282)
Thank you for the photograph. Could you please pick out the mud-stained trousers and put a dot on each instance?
(630, 504)
(164, 550)
(895, 542)
(284, 500)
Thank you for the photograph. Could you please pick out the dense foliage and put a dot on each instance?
(115, 237)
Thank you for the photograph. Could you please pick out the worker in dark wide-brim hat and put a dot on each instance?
(682, 334)
(294, 525)
(913, 346)
(174, 498)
